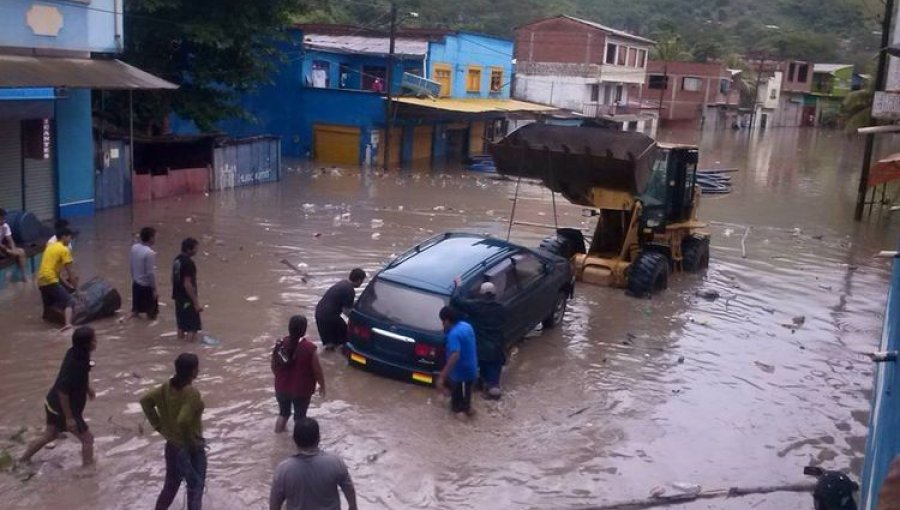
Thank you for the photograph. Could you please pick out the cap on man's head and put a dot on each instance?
(488, 288)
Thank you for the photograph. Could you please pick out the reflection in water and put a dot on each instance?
(625, 396)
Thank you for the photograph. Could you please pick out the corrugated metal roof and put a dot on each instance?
(614, 31)
(476, 105)
(829, 68)
(364, 45)
(27, 71)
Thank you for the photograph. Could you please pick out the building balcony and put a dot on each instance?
(605, 110)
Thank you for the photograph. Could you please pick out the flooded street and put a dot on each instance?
(626, 396)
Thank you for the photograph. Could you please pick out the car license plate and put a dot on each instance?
(422, 378)
(357, 358)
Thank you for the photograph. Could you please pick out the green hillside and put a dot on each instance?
(820, 30)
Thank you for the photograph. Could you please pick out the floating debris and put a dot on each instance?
(708, 294)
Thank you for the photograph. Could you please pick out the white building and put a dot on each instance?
(584, 67)
(768, 97)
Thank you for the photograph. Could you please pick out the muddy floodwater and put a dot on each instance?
(627, 396)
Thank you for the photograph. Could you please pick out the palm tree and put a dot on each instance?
(670, 49)
(856, 112)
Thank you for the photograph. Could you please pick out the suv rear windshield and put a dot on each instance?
(403, 305)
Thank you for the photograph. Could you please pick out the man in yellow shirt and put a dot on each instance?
(56, 276)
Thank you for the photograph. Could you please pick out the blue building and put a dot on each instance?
(53, 53)
(327, 99)
(883, 442)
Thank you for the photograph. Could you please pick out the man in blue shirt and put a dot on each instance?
(461, 367)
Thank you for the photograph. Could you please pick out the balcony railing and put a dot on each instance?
(601, 110)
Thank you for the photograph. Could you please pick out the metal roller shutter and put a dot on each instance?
(421, 152)
(10, 165)
(396, 147)
(336, 144)
(40, 188)
(476, 138)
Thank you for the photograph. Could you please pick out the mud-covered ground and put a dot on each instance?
(627, 396)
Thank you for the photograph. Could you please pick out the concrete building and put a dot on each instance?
(830, 84)
(690, 92)
(768, 99)
(793, 109)
(584, 67)
(52, 54)
(451, 94)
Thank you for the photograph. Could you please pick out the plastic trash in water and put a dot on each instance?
(687, 488)
(377, 223)
(251, 299)
(210, 341)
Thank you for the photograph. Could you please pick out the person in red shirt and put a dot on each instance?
(297, 372)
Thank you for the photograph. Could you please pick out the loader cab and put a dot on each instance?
(669, 194)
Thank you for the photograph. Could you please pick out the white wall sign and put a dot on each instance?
(45, 134)
(886, 105)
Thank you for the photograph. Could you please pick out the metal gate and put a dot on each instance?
(11, 165)
(112, 181)
(246, 162)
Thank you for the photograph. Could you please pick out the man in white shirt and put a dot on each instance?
(8, 246)
(57, 225)
(144, 296)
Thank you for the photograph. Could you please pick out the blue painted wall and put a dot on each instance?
(354, 66)
(465, 50)
(85, 27)
(74, 154)
(883, 442)
(289, 106)
(288, 109)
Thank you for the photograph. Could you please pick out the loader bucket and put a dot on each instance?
(572, 160)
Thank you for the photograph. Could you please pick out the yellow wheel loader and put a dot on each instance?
(643, 194)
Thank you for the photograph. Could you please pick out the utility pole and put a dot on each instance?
(389, 78)
(759, 71)
(880, 79)
(662, 93)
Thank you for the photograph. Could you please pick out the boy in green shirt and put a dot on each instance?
(174, 409)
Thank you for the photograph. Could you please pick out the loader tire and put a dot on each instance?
(648, 274)
(695, 254)
(566, 246)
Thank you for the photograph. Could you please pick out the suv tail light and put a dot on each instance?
(427, 351)
(360, 332)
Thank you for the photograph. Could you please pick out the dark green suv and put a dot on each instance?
(395, 329)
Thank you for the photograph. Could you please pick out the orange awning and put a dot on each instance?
(886, 170)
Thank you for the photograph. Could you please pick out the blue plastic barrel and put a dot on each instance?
(25, 226)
